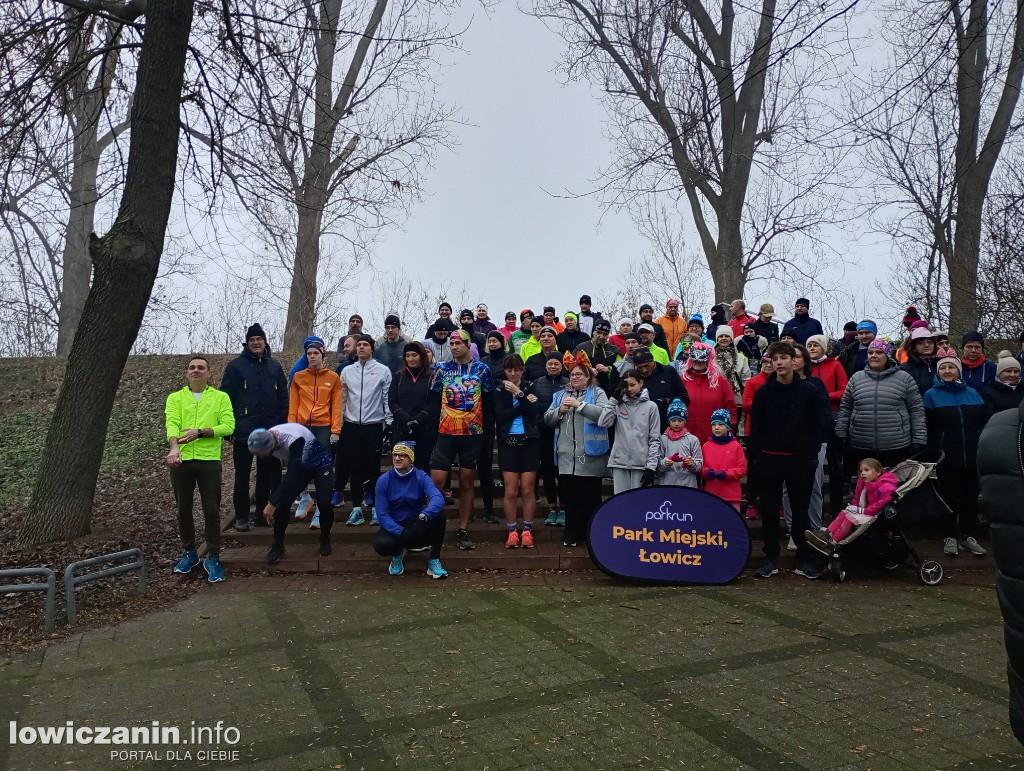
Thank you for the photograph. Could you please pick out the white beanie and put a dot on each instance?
(724, 329)
(1005, 362)
(821, 340)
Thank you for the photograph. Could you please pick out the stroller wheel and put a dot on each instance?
(930, 573)
(836, 570)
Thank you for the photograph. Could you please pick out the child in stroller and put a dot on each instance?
(875, 488)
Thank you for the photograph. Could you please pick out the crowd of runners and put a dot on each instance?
(570, 399)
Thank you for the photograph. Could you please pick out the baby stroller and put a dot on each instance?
(883, 540)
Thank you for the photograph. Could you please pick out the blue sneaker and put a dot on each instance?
(213, 569)
(188, 561)
(303, 506)
(373, 519)
(367, 498)
(808, 570)
(336, 499)
(561, 518)
(355, 518)
(434, 569)
(397, 566)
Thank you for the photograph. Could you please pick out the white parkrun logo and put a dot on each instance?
(664, 514)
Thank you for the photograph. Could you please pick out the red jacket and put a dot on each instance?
(830, 372)
(704, 400)
(737, 324)
(752, 385)
(730, 459)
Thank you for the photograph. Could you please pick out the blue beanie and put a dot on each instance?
(677, 410)
(696, 317)
(869, 325)
(721, 415)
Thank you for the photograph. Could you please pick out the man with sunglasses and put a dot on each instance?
(466, 388)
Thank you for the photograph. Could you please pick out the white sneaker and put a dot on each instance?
(949, 547)
(315, 524)
(972, 545)
(791, 546)
(302, 507)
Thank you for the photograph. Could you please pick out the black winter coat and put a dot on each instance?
(787, 417)
(769, 330)
(495, 363)
(604, 354)
(536, 367)
(663, 386)
(567, 341)
(922, 371)
(258, 390)
(998, 397)
(506, 411)
(1001, 469)
(545, 389)
(411, 399)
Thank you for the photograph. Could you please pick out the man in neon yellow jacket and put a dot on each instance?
(198, 417)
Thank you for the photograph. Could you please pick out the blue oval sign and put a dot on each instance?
(669, 534)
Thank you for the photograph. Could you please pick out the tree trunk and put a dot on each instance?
(727, 273)
(126, 262)
(77, 266)
(302, 295)
(962, 269)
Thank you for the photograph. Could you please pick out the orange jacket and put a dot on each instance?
(674, 329)
(315, 399)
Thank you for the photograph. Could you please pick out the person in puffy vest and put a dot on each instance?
(1001, 471)
(581, 446)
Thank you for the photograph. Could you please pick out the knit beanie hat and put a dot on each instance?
(721, 415)
(602, 325)
(696, 318)
(392, 320)
(649, 307)
(314, 342)
(878, 344)
(789, 332)
(974, 337)
(552, 330)
(445, 304)
(624, 320)
(850, 326)
(803, 301)
(255, 331)
(724, 329)
(919, 324)
(1005, 362)
(948, 354)
(497, 336)
(910, 316)
(677, 410)
(367, 339)
(406, 447)
(821, 340)
(524, 313)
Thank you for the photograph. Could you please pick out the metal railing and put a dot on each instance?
(71, 580)
(50, 587)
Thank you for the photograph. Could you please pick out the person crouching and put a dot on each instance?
(410, 509)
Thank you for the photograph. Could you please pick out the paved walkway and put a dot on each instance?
(869, 676)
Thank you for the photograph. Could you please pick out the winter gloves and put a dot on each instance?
(647, 480)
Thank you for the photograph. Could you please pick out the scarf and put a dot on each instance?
(721, 439)
(727, 360)
(674, 435)
(976, 364)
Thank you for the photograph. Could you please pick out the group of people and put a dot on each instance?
(570, 400)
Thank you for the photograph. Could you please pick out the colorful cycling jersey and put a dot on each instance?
(462, 387)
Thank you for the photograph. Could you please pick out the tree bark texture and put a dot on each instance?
(126, 261)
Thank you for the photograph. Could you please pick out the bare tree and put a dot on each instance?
(950, 105)
(334, 126)
(668, 267)
(708, 102)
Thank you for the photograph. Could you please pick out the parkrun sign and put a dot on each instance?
(669, 534)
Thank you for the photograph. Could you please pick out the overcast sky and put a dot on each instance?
(491, 201)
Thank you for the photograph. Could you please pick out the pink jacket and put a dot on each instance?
(873, 496)
(730, 459)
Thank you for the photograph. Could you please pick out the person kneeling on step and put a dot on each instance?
(406, 522)
(308, 461)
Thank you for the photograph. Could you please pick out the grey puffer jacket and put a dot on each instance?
(637, 432)
(882, 411)
(1001, 469)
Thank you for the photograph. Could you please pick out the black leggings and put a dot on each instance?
(581, 497)
(549, 466)
(362, 445)
(484, 470)
(420, 533)
(959, 488)
(268, 476)
(295, 481)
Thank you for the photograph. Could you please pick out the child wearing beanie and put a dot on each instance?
(724, 461)
(681, 458)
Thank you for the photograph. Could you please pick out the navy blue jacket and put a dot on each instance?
(805, 326)
(977, 377)
(258, 391)
(955, 414)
